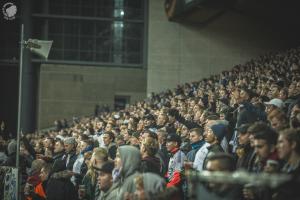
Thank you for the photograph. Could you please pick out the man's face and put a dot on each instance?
(161, 120)
(262, 149)
(160, 137)
(106, 139)
(244, 95)
(43, 174)
(148, 122)
(99, 125)
(58, 147)
(83, 145)
(47, 143)
(276, 123)
(243, 138)
(284, 148)
(104, 181)
(171, 145)
(274, 92)
(184, 131)
(108, 127)
(209, 136)
(194, 137)
(126, 135)
(68, 147)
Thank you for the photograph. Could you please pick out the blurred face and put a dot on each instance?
(209, 136)
(276, 123)
(160, 138)
(99, 125)
(282, 95)
(38, 148)
(171, 145)
(161, 120)
(292, 90)
(284, 148)
(194, 137)
(108, 127)
(134, 141)
(148, 122)
(47, 143)
(244, 95)
(262, 149)
(140, 125)
(243, 138)
(251, 137)
(68, 147)
(83, 145)
(106, 139)
(58, 147)
(43, 174)
(126, 135)
(184, 131)
(104, 181)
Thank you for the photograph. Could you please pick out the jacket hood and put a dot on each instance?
(131, 160)
(153, 184)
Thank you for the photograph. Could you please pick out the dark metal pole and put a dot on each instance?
(19, 130)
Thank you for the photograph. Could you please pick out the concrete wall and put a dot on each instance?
(66, 91)
(181, 53)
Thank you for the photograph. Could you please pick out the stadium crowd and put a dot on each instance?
(247, 118)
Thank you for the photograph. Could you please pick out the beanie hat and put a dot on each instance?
(219, 130)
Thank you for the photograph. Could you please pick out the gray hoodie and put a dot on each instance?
(153, 184)
(131, 160)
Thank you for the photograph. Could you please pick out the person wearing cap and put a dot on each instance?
(175, 168)
(105, 181)
(273, 105)
(213, 135)
(246, 113)
(244, 150)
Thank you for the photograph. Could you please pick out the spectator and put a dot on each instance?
(174, 174)
(219, 162)
(108, 139)
(128, 160)
(105, 181)
(150, 163)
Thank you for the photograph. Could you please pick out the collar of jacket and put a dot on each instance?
(173, 151)
(198, 144)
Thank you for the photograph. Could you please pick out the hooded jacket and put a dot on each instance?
(131, 160)
(153, 185)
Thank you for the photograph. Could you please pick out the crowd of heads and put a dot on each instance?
(246, 118)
